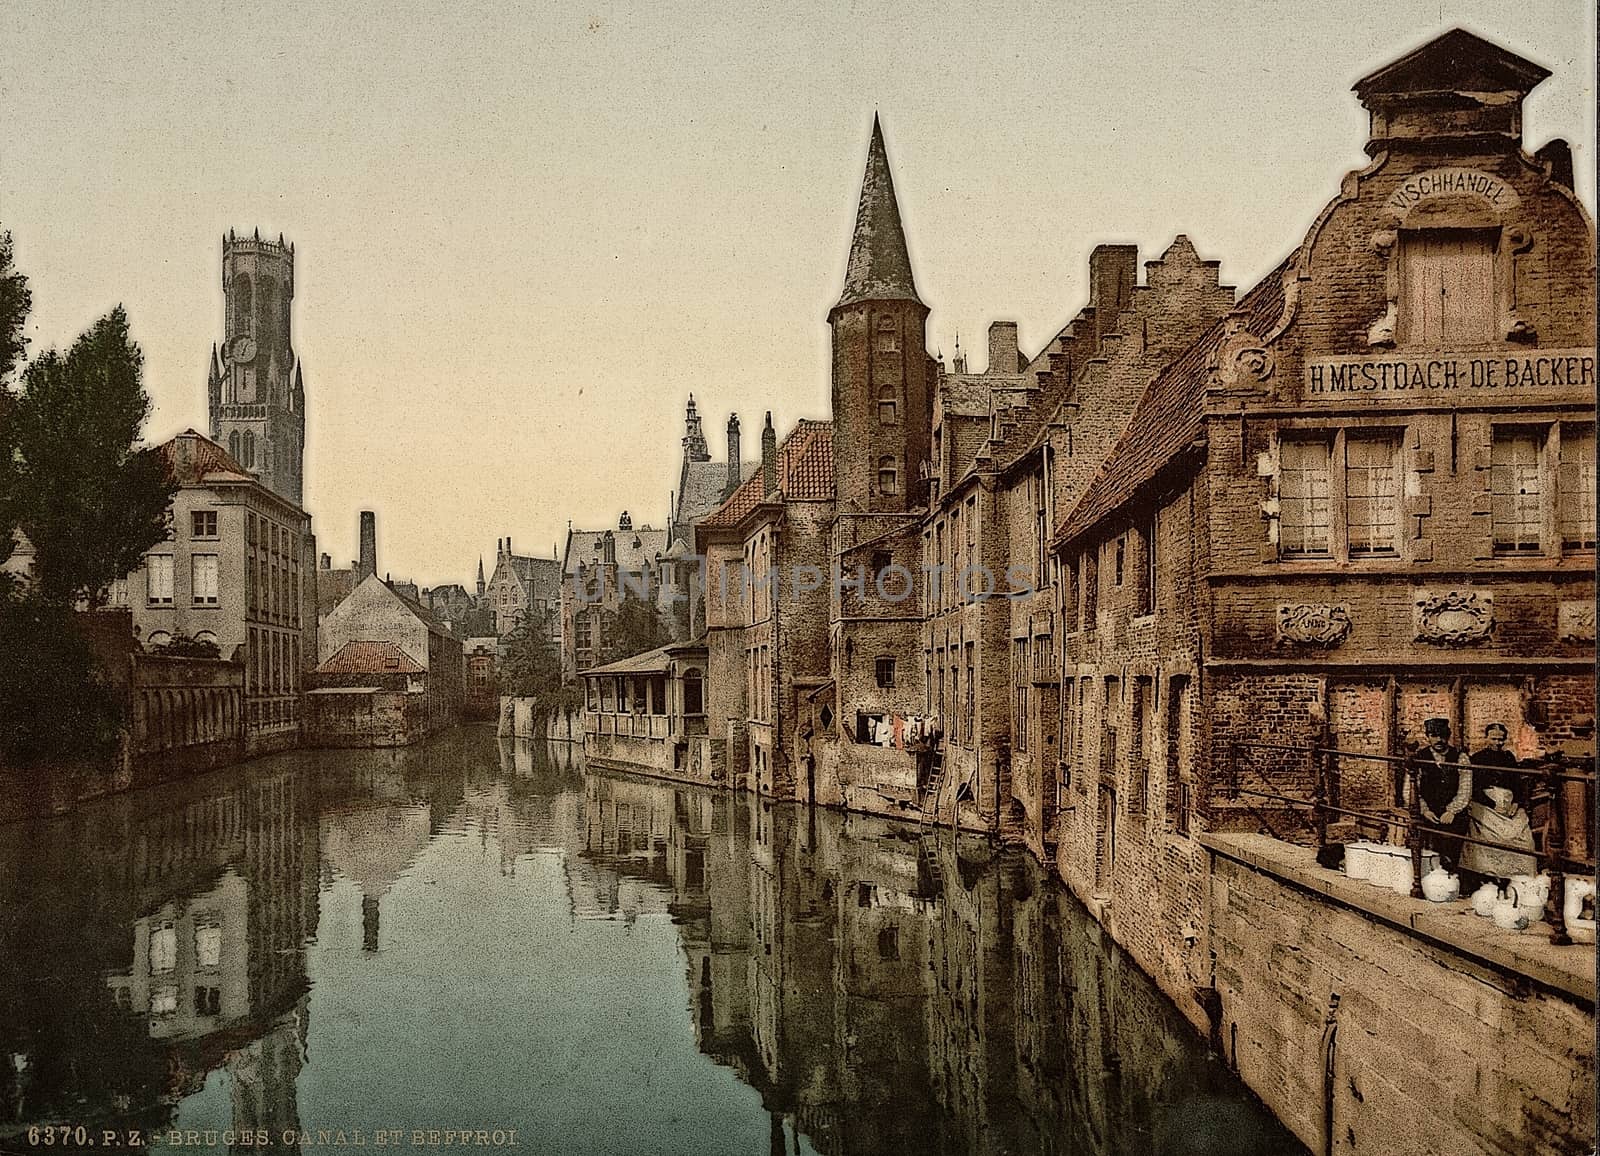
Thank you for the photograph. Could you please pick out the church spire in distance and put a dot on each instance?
(880, 266)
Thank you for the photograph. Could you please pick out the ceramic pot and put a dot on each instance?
(1484, 899)
(1508, 915)
(1439, 886)
(1578, 890)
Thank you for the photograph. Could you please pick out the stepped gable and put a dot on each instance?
(804, 470)
(1170, 414)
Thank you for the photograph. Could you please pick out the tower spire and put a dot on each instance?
(879, 268)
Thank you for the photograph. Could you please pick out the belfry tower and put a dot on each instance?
(882, 393)
(256, 391)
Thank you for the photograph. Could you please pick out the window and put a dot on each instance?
(1576, 487)
(207, 1001)
(889, 943)
(1020, 674)
(1147, 558)
(881, 561)
(203, 579)
(888, 410)
(1515, 511)
(888, 476)
(163, 948)
(1304, 508)
(1121, 546)
(1447, 292)
(1371, 495)
(888, 339)
(1091, 586)
(159, 568)
(972, 699)
(885, 673)
(693, 692)
(1041, 530)
(208, 944)
(584, 633)
(203, 524)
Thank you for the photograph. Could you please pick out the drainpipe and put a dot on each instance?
(1330, 1042)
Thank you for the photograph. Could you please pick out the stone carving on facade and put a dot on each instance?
(1318, 624)
(1380, 335)
(1454, 618)
(1575, 621)
(1242, 358)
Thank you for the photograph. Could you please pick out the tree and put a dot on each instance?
(15, 302)
(88, 499)
(634, 627)
(530, 665)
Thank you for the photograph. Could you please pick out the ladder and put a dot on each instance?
(928, 803)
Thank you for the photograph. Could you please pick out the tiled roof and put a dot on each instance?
(1170, 414)
(880, 267)
(701, 489)
(804, 474)
(192, 459)
(651, 661)
(636, 549)
(369, 658)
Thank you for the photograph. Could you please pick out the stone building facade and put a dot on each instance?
(237, 571)
(599, 569)
(256, 388)
(1360, 495)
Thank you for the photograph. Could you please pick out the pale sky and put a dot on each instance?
(524, 234)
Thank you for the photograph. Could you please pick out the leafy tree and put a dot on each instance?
(89, 500)
(530, 665)
(634, 627)
(180, 645)
(15, 302)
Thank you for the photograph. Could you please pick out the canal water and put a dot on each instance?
(479, 936)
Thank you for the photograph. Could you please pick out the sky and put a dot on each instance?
(525, 234)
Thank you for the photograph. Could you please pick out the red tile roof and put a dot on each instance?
(1170, 415)
(192, 457)
(804, 473)
(370, 658)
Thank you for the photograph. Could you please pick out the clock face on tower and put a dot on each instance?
(244, 349)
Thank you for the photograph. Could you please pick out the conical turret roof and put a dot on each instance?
(879, 267)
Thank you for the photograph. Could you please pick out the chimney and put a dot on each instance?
(327, 561)
(625, 522)
(369, 546)
(1003, 347)
(1557, 157)
(735, 468)
(1113, 272)
(508, 545)
(769, 459)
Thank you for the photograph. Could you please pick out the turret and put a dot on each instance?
(694, 439)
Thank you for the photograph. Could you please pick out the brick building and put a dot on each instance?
(598, 570)
(766, 635)
(1362, 498)
(522, 585)
(235, 570)
(377, 625)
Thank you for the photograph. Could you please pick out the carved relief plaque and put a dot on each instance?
(1318, 624)
(1454, 617)
(1575, 621)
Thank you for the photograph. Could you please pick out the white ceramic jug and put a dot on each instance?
(1529, 893)
(1439, 886)
(1508, 915)
(1484, 899)
(1582, 930)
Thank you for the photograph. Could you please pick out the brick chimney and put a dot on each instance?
(369, 546)
(735, 469)
(1113, 272)
(1003, 347)
(769, 459)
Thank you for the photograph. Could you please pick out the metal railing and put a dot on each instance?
(1550, 776)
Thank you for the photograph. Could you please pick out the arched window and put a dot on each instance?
(243, 303)
(888, 476)
(266, 301)
(888, 411)
(693, 691)
(233, 446)
(248, 461)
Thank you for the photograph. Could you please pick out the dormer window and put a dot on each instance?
(1447, 286)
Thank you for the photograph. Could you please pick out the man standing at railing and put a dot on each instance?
(1444, 787)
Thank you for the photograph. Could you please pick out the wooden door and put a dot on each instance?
(1447, 296)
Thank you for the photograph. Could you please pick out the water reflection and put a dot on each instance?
(479, 935)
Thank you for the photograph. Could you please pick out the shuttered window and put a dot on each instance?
(1447, 290)
(1515, 479)
(1371, 494)
(1577, 487)
(1303, 496)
